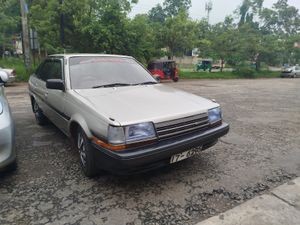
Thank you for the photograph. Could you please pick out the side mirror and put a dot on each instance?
(55, 84)
(3, 77)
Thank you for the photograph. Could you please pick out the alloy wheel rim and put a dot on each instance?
(35, 107)
(81, 148)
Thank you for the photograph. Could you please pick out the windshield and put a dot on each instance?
(103, 71)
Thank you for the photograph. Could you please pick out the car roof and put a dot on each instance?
(89, 55)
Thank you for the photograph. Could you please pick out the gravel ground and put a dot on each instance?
(260, 152)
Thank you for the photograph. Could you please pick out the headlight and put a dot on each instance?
(214, 115)
(139, 132)
(131, 134)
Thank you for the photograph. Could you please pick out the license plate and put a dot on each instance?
(183, 156)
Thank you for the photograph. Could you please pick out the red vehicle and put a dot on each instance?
(164, 70)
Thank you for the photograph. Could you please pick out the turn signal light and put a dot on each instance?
(108, 146)
(119, 147)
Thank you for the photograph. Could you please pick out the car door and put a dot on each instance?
(55, 99)
(38, 83)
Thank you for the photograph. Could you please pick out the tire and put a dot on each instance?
(157, 78)
(12, 167)
(86, 154)
(40, 118)
(176, 79)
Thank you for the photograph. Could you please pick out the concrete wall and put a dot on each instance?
(186, 60)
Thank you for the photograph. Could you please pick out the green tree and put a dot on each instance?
(173, 7)
(9, 23)
(248, 11)
(157, 14)
(179, 34)
(226, 43)
(281, 19)
(90, 25)
(141, 42)
(44, 17)
(283, 22)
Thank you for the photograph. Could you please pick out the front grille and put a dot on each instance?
(183, 125)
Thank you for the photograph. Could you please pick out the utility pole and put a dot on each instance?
(25, 34)
(62, 26)
(208, 8)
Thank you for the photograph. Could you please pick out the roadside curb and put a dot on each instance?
(280, 206)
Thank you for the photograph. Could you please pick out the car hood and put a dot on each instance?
(135, 104)
(288, 69)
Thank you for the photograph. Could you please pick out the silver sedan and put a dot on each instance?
(120, 118)
(7, 131)
(293, 72)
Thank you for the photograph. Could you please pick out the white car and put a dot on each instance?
(293, 72)
(121, 119)
(11, 74)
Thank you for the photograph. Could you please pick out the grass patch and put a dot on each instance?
(225, 75)
(267, 74)
(18, 65)
(207, 75)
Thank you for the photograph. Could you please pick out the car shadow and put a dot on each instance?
(8, 172)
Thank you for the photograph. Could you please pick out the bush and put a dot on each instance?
(18, 65)
(244, 71)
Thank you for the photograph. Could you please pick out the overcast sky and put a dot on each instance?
(221, 8)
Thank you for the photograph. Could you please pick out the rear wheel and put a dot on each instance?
(41, 119)
(11, 167)
(86, 154)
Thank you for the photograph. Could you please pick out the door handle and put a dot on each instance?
(46, 95)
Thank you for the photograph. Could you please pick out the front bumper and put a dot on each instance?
(286, 74)
(157, 154)
(11, 79)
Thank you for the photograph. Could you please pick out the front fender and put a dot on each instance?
(77, 118)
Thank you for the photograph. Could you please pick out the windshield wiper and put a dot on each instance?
(112, 85)
(146, 83)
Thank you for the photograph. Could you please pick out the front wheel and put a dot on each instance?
(175, 79)
(41, 119)
(86, 154)
(157, 78)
